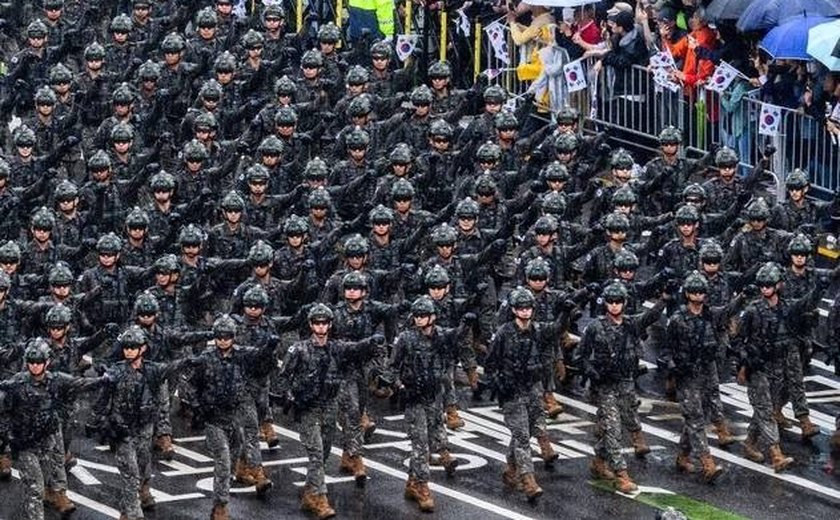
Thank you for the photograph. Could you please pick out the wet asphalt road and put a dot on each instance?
(746, 490)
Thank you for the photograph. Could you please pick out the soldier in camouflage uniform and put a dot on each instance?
(35, 398)
(766, 350)
(311, 374)
(798, 212)
(221, 378)
(692, 332)
(514, 363)
(609, 356)
(419, 354)
(756, 242)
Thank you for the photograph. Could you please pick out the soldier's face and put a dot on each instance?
(797, 194)
(131, 353)
(285, 130)
(622, 176)
(193, 166)
(41, 235)
(320, 328)
(422, 110)
(399, 169)
(9, 268)
(162, 195)
(492, 107)
(507, 134)
(542, 239)
(355, 89)
(758, 225)
(565, 157)
(122, 147)
(56, 333)
(190, 250)
(233, 216)
(356, 262)
(402, 205)
(440, 143)
(121, 109)
(136, 233)
(768, 291)
(421, 321)
(798, 260)
(326, 47)
(357, 154)
(523, 313)
(295, 240)
(224, 77)
(36, 43)
(207, 33)
(270, 159)
(61, 88)
(466, 224)
(696, 297)
(119, 37)
(565, 128)
(253, 312)
(60, 291)
(262, 269)
(439, 83)
(36, 369)
(273, 24)
(224, 9)
(141, 12)
(670, 148)
(537, 284)
(687, 228)
(438, 293)
(68, 205)
(353, 294)
(94, 64)
(108, 259)
(623, 208)
(101, 175)
(379, 63)
(162, 279)
(310, 72)
(223, 342)
(727, 172)
(45, 109)
(626, 274)
(257, 187)
(445, 251)
(381, 228)
(555, 185)
(24, 151)
(614, 307)
(711, 267)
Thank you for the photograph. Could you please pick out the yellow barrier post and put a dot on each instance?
(408, 15)
(339, 9)
(477, 50)
(443, 28)
(299, 16)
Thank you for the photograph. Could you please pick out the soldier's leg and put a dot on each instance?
(129, 500)
(762, 424)
(55, 474)
(795, 380)
(249, 426)
(350, 417)
(310, 437)
(710, 392)
(217, 440)
(694, 424)
(516, 420)
(32, 477)
(163, 424)
(608, 430)
(628, 406)
(418, 433)
(265, 415)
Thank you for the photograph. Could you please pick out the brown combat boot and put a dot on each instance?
(309, 500)
(268, 434)
(345, 465)
(358, 469)
(472, 378)
(57, 499)
(778, 459)
(781, 420)
(640, 446)
(725, 437)
(5, 466)
(684, 463)
(261, 480)
(220, 512)
(453, 420)
(368, 426)
(325, 510)
(552, 407)
(448, 462)
(809, 429)
(751, 450)
(530, 487)
(549, 456)
(163, 443)
(510, 473)
(711, 470)
(147, 501)
(599, 470)
(623, 482)
(419, 492)
(242, 473)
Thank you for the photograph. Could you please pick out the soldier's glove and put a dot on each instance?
(769, 151)
(242, 148)
(714, 148)
(377, 339)
(536, 186)
(309, 264)
(69, 141)
(604, 149)
(538, 155)
(469, 317)
(403, 307)
(111, 330)
(327, 116)
(742, 376)
(591, 373)
(750, 291)
(593, 288)
(153, 167)
(641, 370)
(568, 305)
(499, 245)
(744, 197)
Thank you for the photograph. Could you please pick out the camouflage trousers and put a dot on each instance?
(709, 383)
(259, 388)
(787, 381)
(163, 424)
(220, 439)
(352, 397)
(762, 426)
(317, 428)
(690, 393)
(628, 405)
(525, 418)
(424, 422)
(249, 432)
(41, 467)
(608, 420)
(134, 460)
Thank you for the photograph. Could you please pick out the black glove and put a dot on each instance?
(537, 186)
(769, 150)
(309, 264)
(499, 245)
(593, 288)
(750, 291)
(70, 140)
(111, 330)
(377, 339)
(153, 167)
(469, 317)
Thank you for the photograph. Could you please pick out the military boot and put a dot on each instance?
(5, 466)
(268, 434)
(751, 450)
(358, 470)
(809, 429)
(552, 407)
(345, 465)
(368, 426)
(546, 450)
(530, 487)
(57, 499)
(448, 462)
(453, 420)
(623, 482)
(325, 510)
(309, 500)
(711, 470)
(599, 469)
(419, 492)
(261, 480)
(684, 463)
(640, 446)
(781, 420)
(242, 473)
(472, 378)
(220, 512)
(69, 461)
(725, 437)
(147, 501)
(163, 443)
(510, 473)
(778, 459)
(671, 388)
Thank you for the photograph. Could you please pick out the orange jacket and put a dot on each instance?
(695, 70)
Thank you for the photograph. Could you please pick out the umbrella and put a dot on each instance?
(823, 42)
(561, 3)
(727, 9)
(764, 14)
(789, 41)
